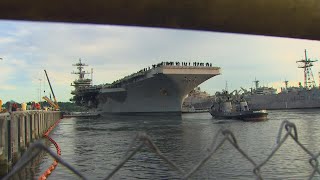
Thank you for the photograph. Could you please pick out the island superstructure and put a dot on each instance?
(160, 88)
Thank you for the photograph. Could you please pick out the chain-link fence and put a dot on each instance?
(286, 131)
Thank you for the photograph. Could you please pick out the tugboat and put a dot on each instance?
(233, 106)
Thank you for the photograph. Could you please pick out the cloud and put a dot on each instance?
(7, 87)
(116, 51)
(6, 40)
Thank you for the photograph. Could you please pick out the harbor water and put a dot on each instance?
(95, 147)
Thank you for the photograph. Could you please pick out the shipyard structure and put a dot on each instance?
(160, 88)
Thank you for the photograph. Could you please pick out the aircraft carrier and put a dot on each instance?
(160, 88)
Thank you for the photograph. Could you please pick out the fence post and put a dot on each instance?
(4, 144)
(14, 137)
(22, 133)
(28, 129)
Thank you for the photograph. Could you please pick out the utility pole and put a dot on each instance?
(39, 89)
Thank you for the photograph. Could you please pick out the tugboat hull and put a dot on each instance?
(245, 115)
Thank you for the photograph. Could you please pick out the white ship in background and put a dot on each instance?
(197, 101)
(160, 88)
(301, 97)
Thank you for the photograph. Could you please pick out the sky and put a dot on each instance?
(27, 48)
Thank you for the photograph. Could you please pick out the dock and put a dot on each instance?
(81, 115)
(18, 130)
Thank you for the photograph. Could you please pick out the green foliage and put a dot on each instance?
(70, 107)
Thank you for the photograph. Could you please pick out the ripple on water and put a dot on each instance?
(95, 146)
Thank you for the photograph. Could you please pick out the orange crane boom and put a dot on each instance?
(54, 105)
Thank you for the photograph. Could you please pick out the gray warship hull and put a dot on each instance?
(157, 91)
(292, 100)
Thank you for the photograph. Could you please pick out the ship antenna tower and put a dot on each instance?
(80, 67)
(306, 64)
(319, 79)
(286, 83)
(91, 76)
(227, 86)
(256, 82)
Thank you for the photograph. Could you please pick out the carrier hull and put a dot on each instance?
(161, 91)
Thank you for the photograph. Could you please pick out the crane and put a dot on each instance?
(55, 103)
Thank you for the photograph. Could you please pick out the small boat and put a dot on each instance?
(229, 106)
(81, 114)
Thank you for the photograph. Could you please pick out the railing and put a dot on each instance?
(172, 65)
(18, 130)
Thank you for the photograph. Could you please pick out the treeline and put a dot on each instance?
(71, 107)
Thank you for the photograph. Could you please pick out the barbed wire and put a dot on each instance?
(142, 139)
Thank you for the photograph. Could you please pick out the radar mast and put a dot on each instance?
(306, 64)
(80, 67)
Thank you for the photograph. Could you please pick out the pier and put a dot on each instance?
(18, 130)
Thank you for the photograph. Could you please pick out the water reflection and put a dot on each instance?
(96, 146)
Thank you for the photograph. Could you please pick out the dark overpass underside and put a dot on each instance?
(283, 18)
